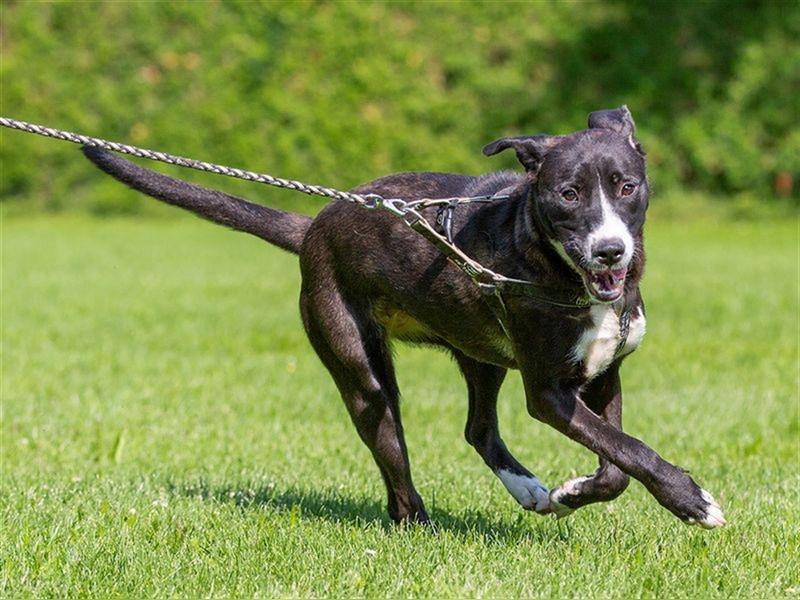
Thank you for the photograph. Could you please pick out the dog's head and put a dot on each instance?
(589, 195)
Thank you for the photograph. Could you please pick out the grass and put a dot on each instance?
(167, 431)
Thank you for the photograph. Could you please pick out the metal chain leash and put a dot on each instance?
(491, 283)
(395, 206)
(290, 184)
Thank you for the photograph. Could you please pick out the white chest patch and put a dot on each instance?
(598, 344)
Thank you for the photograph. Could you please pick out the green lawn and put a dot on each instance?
(167, 431)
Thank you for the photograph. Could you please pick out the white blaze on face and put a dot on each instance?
(610, 226)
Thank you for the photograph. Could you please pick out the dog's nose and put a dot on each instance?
(608, 251)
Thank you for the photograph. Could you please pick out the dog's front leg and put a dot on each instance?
(557, 403)
(603, 395)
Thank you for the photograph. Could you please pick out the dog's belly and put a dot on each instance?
(401, 325)
(597, 346)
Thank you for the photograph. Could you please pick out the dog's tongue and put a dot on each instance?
(619, 273)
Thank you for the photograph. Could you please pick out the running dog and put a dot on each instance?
(572, 222)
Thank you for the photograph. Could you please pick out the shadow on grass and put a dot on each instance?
(330, 505)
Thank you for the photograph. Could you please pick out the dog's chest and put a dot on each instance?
(597, 346)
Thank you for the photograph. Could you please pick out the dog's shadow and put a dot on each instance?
(331, 505)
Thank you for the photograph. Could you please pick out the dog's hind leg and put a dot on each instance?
(483, 385)
(353, 348)
(603, 395)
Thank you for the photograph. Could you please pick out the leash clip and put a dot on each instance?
(444, 218)
(372, 201)
(396, 206)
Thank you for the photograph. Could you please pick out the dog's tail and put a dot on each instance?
(284, 229)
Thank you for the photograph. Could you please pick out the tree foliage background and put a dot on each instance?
(339, 93)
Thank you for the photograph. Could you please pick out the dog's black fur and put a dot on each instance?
(368, 278)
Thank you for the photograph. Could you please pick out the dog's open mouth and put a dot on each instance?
(606, 285)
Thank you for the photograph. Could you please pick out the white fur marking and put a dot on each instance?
(713, 517)
(568, 488)
(528, 491)
(610, 227)
(598, 344)
(571, 487)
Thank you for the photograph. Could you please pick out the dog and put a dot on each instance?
(573, 221)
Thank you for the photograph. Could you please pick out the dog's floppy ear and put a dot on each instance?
(619, 120)
(530, 149)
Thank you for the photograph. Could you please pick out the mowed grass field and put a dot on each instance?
(168, 431)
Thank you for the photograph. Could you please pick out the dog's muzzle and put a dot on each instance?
(605, 276)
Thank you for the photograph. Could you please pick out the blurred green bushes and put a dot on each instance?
(339, 93)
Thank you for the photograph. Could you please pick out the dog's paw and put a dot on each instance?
(710, 514)
(558, 510)
(562, 492)
(527, 490)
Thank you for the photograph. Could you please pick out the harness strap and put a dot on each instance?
(494, 299)
(444, 218)
(488, 280)
(624, 330)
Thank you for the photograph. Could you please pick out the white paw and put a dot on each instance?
(528, 491)
(568, 488)
(713, 517)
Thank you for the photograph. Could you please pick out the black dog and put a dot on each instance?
(572, 223)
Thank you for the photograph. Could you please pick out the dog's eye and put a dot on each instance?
(628, 189)
(569, 195)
